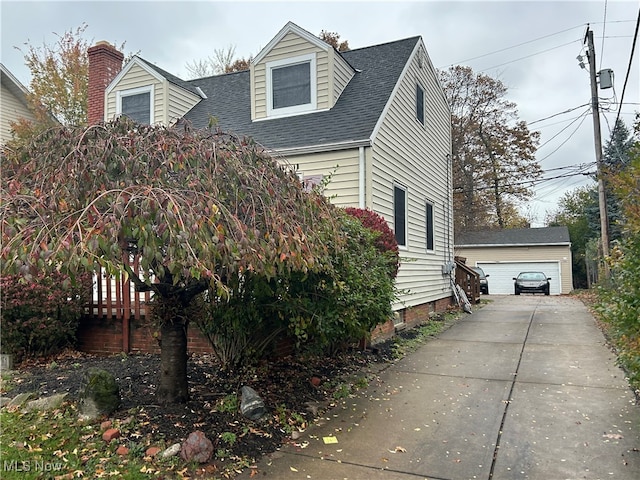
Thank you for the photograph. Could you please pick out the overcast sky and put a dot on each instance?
(530, 46)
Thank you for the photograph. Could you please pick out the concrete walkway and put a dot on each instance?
(524, 388)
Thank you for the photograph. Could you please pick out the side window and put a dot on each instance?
(400, 215)
(136, 104)
(429, 226)
(420, 104)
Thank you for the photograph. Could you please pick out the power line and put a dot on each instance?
(514, 46)
(581, 117)
(604, 28)
(530, 41)
(532, 182)
(626, 79)
(532, 55)
(559, 113)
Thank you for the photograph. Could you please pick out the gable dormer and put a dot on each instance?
(149, 94)
(296, 73)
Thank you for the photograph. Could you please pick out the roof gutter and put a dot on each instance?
(327, 147)
(477, 245)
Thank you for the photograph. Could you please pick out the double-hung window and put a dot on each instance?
(136, 104)
(291, 86)
(429, 227)
(400, 214)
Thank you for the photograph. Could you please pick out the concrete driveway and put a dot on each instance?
(524, 388)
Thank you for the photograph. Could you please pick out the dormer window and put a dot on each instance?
(136, 104)
(291, 86)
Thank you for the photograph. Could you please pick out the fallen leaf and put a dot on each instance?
(613, 436)
(293, 469)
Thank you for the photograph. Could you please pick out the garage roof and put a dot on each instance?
(515, 237)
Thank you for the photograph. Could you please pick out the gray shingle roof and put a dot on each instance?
(172, 78)
(514, 236)
(353, 117)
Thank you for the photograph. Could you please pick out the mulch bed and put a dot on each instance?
(284, 385)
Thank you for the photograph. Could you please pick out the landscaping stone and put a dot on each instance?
(111, 434)
(153, 451)
(196, 448)
(6, 362)
(100, 394)
(47, 403)
(172, 451)
(20, 399)
(106, 425)
(4, 401)
(122, 450)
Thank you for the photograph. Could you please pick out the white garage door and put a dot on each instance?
(501, 274)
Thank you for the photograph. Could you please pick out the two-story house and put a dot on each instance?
(373, 118)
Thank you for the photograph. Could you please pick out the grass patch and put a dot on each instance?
(55, 444)
(410, 340)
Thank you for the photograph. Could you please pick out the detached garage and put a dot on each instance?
(503, 254)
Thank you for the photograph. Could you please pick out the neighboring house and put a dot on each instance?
(13, 103)
(375, 119)
(503, 254)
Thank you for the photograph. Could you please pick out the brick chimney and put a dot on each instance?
(105, 62)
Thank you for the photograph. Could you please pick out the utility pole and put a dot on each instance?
(602, 199)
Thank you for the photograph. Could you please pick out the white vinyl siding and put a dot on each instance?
(12, 109)
(342, 74)
(180, 102)
(406, 152)
(341, 165)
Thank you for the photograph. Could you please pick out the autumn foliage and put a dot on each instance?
(386, 241)
(208, 215)
(41, 317)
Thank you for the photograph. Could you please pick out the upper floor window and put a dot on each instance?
(136, 104)
(420, 104)
(291, 85)
(400, 215)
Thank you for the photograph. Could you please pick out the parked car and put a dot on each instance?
(484, 284)
(531, 282)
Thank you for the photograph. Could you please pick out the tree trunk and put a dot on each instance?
(173, 386)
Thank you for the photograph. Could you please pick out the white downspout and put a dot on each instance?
(361, 179)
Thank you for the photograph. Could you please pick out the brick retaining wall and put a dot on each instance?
(103, 336)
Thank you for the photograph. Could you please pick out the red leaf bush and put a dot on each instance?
(41, 317)
(386, 241)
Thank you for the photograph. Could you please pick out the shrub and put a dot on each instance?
(386, 240)
(41, 317)
(331, 311)
(619, 301)
(242, 325)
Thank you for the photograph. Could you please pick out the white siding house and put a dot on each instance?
(375, 119)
